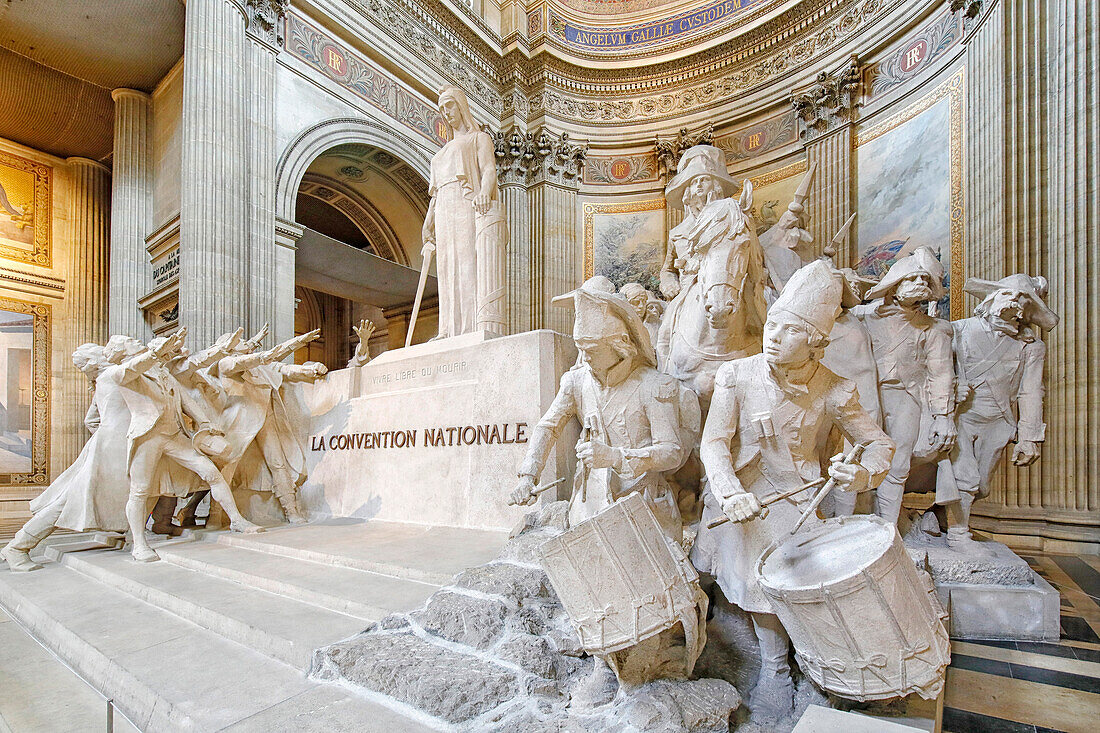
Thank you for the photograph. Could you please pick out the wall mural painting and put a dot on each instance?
(909, 189)
(24, 210)
(773, 192)
(625, 242)
(24, 392)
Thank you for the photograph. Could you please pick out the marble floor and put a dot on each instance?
(1027, 687)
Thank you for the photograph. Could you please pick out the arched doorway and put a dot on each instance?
(361, 209)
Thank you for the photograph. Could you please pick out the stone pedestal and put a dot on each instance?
(434, 433)
(994, 596)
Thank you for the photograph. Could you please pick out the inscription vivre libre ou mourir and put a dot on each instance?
(435, 437)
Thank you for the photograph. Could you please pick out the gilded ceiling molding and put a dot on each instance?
(829, 103)
(534, 157)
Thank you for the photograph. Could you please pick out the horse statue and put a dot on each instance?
(719, 312)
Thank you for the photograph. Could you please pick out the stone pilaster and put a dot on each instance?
(264, 27)
(539, 174)
(668, 153)
(88, 235)
(825, 114)
(130, 213)
(214, 204)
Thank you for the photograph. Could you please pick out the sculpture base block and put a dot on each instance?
(994, 596)
(433, 434)
(819, 719)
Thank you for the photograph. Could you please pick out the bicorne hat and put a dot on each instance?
(1034, 289)
(699, 160)
(603, 313)
(921, 260)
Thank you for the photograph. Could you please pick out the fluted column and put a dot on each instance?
(555, 267)
(830, 201)
(513, 196)
(130, 213)
(265, 38)
(88, 237)
(214, 207)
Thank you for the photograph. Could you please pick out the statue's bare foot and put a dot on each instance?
(145, 554)
(245, 527)
(19, 561)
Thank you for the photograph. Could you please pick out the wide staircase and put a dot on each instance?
(218, 636)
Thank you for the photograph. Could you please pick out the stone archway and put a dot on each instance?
(315, 140)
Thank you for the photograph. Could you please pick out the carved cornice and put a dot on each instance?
(669, 151)
(535, 157)
(264, 20)
(829, 103)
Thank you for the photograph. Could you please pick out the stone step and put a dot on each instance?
(360, 593)
(416, 552)
(167, 674)
(280, 627)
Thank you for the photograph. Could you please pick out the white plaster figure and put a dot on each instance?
(163, 423)
(362, 353)
(999, 361)
(715, 269)
(465, 225)
(762, 440)
(915, 371)
(648, 307)
(91, 493)
(264, 422)
(787, 244)
(633, 429)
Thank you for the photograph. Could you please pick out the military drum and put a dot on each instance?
(865, 623)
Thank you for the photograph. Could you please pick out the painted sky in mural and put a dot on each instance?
(629, 246)
(904, 192)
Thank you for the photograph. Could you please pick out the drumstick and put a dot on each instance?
(539, 489)
(719, 521)
(852, 457)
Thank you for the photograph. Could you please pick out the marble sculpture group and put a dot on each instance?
(787, 383)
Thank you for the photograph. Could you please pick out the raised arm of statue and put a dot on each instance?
(311, 371)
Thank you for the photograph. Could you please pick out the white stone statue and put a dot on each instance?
(761, 441)
(91, 493)
(915, 371)
(714, 271)
(632, 416)
(263, 421)
(787, 244)
(164, 425)
(362, 352)
(999, 361)
(649, 307)
(465, 226)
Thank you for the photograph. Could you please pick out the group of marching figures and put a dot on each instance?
(763, 364)
(169, 423)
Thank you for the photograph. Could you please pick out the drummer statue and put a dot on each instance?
(629, 412)
(999, 362)
(761, 441)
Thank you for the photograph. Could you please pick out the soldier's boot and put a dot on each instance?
(17, 553)
(288, 500)
(959, 537)
(773, 696)
(185, 517)
(162, 517)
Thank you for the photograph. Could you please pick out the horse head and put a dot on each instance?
(724, 271)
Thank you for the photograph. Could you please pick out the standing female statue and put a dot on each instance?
(465, 225)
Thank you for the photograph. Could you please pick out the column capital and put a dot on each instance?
(264, 20)
(78, 161)
(830, 103)
(123, 93)
(669, 150)
(534, 157)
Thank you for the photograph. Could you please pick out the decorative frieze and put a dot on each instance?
(829, 103)
(748, 142)
(914, 55)
(620, 169)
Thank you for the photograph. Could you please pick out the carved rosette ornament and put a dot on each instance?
(534, 157)
(265, 19)
(669, 151)
(829, 103)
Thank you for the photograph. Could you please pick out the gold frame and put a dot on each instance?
(39, 475)
(590, 211)
(952, 88)
(780, 174)
(41, 253)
